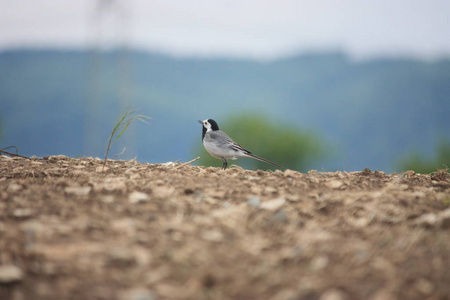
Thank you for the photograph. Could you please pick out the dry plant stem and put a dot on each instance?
(12, 154)
(188, 163)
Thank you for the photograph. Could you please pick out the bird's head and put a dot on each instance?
(209, 125)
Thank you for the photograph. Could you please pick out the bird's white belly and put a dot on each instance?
(220, 153)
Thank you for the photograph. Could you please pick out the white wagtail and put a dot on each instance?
(221, 146)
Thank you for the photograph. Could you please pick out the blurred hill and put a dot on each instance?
(373, 112)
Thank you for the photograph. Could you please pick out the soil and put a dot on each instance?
(73, 229)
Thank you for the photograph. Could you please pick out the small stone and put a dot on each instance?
(366, 172)
(23, 213)
(14, 187)
(254, 201)
(212, 235)
(291, 173)
(100, 169)
(409, 173)
(78, 190)
(379, 174)
(274, 204)
(427, 220)
(279, 217)
(137, 197)
(210, 200)
(334, 184)
(319, 263)
(10, 274)
(425, 286)
(226, 204)
(403, 187)
(121, 257)
(55, 158)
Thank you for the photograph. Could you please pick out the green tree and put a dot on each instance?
(281, 143)
(420, 164)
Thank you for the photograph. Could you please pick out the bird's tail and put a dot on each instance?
(263, 159)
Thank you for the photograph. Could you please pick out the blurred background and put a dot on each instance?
(315, 84)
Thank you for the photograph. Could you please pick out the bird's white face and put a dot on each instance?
(207, 125)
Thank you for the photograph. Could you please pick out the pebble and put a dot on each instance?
(137, 197)
(10, 274)
(100, 169)
(254, 201)
(14, 187)
(334, 184)
(279, 217)
(424, 286)
(273, 204)
(121, 257)
(319, 262)
(291, 173)
(212, 235)
(78, 190)
(23, 213)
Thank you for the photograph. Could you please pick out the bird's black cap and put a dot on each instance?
(214, 125)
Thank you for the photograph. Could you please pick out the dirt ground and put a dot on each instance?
(70, 229)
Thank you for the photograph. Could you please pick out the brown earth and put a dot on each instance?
(70, 229)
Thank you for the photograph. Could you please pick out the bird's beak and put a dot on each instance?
(200, 121)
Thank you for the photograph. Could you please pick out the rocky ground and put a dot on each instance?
(72, 229)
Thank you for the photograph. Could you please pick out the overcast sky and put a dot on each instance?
(244, 28)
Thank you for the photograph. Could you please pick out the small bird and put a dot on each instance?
(221, 146)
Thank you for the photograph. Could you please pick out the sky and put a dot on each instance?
(261, 29)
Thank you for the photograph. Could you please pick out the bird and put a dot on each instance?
(221, 146)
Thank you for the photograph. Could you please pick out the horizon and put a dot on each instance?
(300, 53)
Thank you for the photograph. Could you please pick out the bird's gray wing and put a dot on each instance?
(220, 137)
(223, 139)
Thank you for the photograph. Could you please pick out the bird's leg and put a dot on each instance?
(225, 163)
